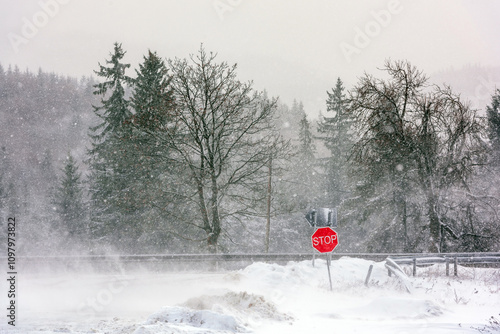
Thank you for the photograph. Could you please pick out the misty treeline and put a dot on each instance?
(179, 155)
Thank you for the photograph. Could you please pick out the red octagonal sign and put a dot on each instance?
(325, 240)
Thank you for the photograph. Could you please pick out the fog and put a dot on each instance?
(261, 298)
(88, 297)
(294, 49)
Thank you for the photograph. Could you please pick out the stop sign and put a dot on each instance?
(325, 240)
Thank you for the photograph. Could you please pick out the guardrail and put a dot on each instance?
(165, 261)
(257, 257)
(456, 258)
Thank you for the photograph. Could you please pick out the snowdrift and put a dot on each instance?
(272, 298)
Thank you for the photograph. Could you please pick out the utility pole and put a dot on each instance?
(268, 214)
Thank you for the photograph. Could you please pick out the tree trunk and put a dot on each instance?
(434, 225)
(213, 237)
(203, 208)
(405, 226)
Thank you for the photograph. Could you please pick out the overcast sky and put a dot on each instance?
(294, 49)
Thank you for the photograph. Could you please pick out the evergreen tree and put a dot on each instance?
(306, 170)
(307, 149)
(493, 117)
(10, 201)
(3, 82)
(154, 181)
(109, 171)
(152, 99)
(114, 110)
(153, 103)
(337, 134)
(37, 105)
(69, 201)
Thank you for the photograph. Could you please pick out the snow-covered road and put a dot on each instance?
(262, 298)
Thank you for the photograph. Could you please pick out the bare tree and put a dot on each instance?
(422, 138)
(224, 137)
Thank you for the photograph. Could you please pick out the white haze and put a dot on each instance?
(292, 48)
(262, 298)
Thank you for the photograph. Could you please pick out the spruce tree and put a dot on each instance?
(310, 190)
(69, 201)
(152, 99)
(306, 146)
(108, 168)
(3, 82)
(337, 135)
(153, 104)
(114, 110)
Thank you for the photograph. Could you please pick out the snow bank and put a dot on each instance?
(230, 312)
(269, 298)
(347, 274)
(246, 306)
(177, 319)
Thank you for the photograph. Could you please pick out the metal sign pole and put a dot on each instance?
(328, 261)
(314, 225)
(329, 255)
(324, 238)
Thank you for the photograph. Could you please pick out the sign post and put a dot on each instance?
(324, 240)
(322, 217)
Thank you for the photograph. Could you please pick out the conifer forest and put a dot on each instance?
(181, 155)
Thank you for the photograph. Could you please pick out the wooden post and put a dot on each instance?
(455, 265)
(368, 275)
(447, 266)
(414, 266)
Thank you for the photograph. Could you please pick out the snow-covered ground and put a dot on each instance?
(262, 298)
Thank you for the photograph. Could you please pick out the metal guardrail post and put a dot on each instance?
(394, 268)
(369, 274)
(328, 262)
(414, 266)
(447, 260)
(455, 265)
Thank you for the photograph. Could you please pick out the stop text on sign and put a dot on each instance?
(327, 239)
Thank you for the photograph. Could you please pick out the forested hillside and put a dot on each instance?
(180, 156)
(45, 117)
